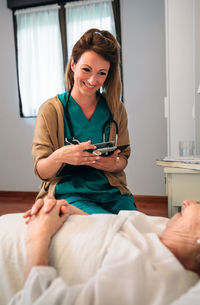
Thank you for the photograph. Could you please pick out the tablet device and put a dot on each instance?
(106, 148)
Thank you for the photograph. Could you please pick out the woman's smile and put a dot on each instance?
(89, 86)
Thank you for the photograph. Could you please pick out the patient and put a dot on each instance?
(148, 270)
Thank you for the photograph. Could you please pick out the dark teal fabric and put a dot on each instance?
(102, 204)
(89, 186)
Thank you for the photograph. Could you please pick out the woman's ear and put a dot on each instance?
(73, 64)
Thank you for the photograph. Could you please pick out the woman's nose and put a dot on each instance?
(92, 80)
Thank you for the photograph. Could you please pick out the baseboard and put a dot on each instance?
(18, 194)
(32, 195)
(151, 199)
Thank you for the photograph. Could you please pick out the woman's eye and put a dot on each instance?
(86, 69)
(102, 73)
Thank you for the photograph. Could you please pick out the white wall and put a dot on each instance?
(197, 76)
(16, 167)
(180, 72)
(143, 46)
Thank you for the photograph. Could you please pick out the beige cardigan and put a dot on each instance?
(49, 136)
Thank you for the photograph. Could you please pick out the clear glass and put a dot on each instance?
(186, 148)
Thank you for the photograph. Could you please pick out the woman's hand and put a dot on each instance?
(45, 225)
(40, 230)
(112, 163)
(48, 203)
(71, 154)
(76, 154)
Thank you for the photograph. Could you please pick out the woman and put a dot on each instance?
(93, 183)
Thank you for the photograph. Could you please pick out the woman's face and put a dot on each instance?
(184, 227)
(188, 219)
(182, 233)
(90, 73)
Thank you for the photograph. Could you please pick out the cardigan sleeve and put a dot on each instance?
(123, 131)
(118, 179)
(49, 131)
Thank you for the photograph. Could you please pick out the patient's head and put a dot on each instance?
(182, 235)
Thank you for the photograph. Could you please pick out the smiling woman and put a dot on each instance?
(94, 183)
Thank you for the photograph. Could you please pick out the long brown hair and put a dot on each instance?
(104, 44)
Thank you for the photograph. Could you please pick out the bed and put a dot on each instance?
(72, 247)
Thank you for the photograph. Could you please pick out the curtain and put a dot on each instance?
(83, 15)
(39, 56)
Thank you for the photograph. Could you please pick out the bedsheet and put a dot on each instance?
(76, 251)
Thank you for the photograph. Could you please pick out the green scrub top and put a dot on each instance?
(83, 183)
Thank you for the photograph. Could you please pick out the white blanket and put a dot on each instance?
(72, 244)
(81, 245)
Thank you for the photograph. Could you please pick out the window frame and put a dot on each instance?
(21, 4)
